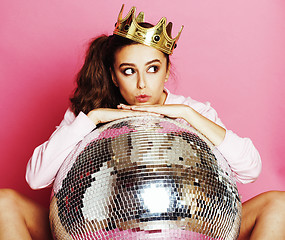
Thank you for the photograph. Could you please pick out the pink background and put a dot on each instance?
(231, 53)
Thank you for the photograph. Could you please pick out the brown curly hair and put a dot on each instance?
(95, 88)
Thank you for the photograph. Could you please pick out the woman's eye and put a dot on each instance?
(153, 69)
(128, 71)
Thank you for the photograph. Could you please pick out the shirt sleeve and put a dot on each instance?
(242, 157)
(240, 153)
(49, 156)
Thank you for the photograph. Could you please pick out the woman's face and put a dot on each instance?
(140, 73)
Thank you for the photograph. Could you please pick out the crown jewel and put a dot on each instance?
(158, 36)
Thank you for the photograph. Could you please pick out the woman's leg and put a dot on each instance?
(263, 217)
(21, 218)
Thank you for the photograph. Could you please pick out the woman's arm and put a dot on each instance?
(242, 156)
(214, 132)
(240, 153)
(103, 115)
(48, 157)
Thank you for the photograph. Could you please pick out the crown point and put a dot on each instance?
(163, 20)
(121, 12)
(140, 17)
(158, 36)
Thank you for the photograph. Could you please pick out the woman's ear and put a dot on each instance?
(114, 79)
(167, 73)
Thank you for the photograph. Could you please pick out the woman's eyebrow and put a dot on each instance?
(153, 61)
(127, 64)
(133, 65)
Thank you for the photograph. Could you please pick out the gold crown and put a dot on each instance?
(158, 36)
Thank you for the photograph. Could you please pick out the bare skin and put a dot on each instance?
(211, 130)
(140, 70)
(21, 218)
(103, 115)
(263, 217)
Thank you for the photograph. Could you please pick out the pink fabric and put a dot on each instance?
(48, 157)
(240, 153)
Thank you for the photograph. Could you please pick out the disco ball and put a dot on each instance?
(145, 178)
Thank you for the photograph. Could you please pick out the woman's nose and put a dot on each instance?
(141, 82)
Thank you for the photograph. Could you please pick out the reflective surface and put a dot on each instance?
(145, 178)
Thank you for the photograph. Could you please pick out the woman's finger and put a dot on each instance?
(123, 106)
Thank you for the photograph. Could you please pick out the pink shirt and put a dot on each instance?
(47, 158)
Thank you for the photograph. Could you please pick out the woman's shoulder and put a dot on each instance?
(80, 120)
(68, 118)
(204, 109)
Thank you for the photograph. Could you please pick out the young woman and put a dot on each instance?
(124, 77)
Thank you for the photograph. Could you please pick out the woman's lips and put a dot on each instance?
(142, 98)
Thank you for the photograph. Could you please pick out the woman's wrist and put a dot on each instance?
(208, 128)
(189, 115)
(93, 115)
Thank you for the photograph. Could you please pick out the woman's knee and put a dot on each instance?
(274, 198)
(9, 199)
(274, 203)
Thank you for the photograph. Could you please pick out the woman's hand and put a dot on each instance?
(169, 110)
(103, 115)
(209, 129)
